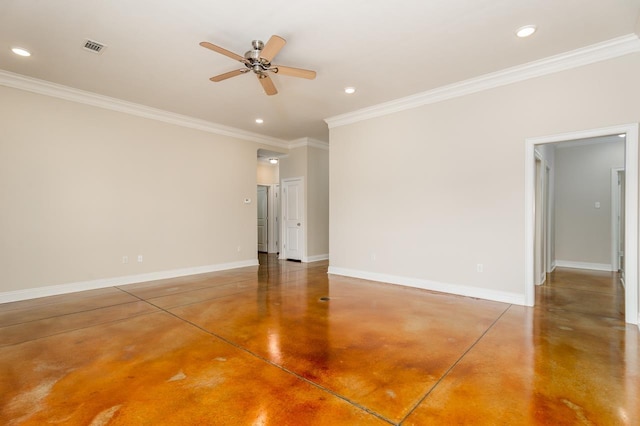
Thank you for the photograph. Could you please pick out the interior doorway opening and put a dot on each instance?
(268, 204)
(534, 186)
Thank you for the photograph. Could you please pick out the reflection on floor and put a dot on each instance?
(287, 344)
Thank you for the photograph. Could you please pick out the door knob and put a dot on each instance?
(298, 224)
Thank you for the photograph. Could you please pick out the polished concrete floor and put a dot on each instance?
(286, 344)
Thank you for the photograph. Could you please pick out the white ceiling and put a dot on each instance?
(386, 49)
(589, 141)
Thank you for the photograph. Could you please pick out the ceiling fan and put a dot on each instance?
(258, 60)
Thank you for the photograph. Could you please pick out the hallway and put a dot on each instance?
(286, 344)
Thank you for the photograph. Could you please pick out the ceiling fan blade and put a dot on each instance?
(272, 47)
(267, 85)
(227, 75)
(295, 72)
(222, 51)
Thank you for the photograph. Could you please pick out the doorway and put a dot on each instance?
(263, 219)
(630, 210)
(268, 214)
(268, 201)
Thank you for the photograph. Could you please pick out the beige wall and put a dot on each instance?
(583, 177)
(312, 164)
(267, 173)
(80, 187)
(295, 164)
(318, 202)
(435, 190)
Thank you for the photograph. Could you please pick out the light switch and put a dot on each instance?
(597, 204)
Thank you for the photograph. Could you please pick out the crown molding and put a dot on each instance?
(297, 143)
(47, 88)
(576, 58)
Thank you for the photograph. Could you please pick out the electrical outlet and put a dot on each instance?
(239, 249)
(139, 258)
(480, 267)
(125, 259)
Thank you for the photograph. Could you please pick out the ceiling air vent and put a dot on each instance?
(93, 46)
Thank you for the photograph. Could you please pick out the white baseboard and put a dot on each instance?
(315, 258)
(461, 290)
(584, 265)
(553, 267)
(32, 293)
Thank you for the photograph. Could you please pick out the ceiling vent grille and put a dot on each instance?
(93, 46)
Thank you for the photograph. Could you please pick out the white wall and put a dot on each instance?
(583, 177)
(422, 196)
(81, 187)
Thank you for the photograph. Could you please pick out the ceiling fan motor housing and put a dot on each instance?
(253, 60)
(252, 55)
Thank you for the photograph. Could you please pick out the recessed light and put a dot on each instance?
(526, 31)
(259, 120)
(20, 51)
(349, 90)
(273, 160)
(622, 135)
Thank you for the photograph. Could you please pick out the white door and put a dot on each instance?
(263, 220)
(293, 214)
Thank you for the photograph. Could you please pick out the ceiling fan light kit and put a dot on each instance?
(258, 60)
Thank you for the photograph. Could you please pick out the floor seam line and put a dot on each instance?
(65, 315)
(181, 292)
(240, 291)
(286, 370)
(79, 328)
(198, 301)
(446, 373)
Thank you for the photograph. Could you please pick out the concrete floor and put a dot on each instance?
(261, 347)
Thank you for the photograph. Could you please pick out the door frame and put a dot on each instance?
(615, 211)
(549, 218)
(541, 216)
(631, 209)
(283, 228)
